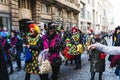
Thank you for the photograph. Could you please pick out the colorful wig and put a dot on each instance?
(35, 27)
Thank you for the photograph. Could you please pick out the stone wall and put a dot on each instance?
(36, 12)
(14, 14)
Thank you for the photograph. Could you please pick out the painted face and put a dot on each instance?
(32, 31)
(74, 31)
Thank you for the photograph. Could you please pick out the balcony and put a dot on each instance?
(73, 6)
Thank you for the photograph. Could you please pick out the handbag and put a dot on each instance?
(44, 63)
(28, 57)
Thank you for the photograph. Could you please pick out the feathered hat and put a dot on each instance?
(74, 29)
(35, 27)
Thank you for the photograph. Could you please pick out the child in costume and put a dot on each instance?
(66, 51)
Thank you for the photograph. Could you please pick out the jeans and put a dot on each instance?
(18, 59)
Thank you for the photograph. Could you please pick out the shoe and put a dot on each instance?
(66, 64)
(79, 67)
(18, 69)
(11, 72)
(76, 68)
(71, 62)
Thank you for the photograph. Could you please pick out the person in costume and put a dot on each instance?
(66, 51)
(51, 41)
(76, 49)
(34, 45)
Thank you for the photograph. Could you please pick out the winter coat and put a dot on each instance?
(3, 68)
(96, 63)
(17, 42)
(36, 45)
(53, 46)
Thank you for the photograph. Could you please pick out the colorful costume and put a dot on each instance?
(32, 67)
(76, 48)
(66, 50)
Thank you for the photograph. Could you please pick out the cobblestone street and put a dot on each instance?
(68, 72)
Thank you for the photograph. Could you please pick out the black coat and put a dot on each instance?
(3, 68)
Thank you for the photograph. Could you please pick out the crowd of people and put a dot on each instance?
(46, 44)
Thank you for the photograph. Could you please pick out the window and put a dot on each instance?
(88, 15)
(45, 8)
(58, 12)
(24, 4)
(93, 3)
(5, 22)
(3, 1)
(82, 10)
(68, 15)
(89, 1)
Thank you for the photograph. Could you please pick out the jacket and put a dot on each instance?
(96, 63)
(53, 46)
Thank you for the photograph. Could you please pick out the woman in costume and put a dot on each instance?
(51, 41)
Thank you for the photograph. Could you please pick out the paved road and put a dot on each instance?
(68, 72)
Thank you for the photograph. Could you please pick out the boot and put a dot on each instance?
(100, 75)
(66, 62)
(18, 68)
(92, 75)
(76, 68)
(11, 70)
(71, 62)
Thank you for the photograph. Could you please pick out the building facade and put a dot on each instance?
(16, 12)
(96, 15)
(109, 16)
(86, 15)
(5, 14)
(63, 12)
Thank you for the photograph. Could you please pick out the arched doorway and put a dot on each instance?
(23, 25)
